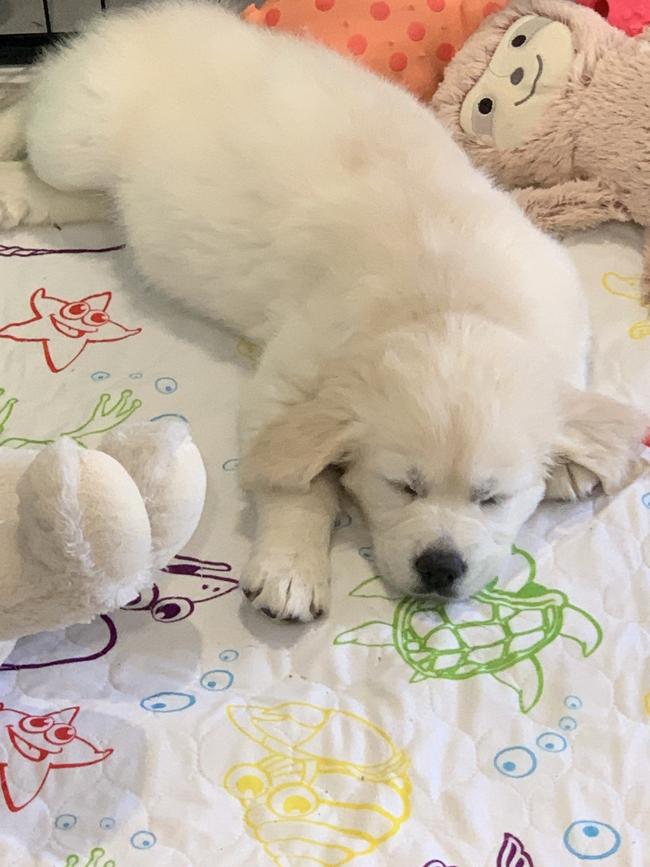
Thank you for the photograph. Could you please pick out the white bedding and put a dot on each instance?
(512, 732)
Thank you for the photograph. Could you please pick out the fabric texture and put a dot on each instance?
(186, 730)
(408, 42)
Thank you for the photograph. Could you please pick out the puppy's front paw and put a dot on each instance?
(287, 586)
(570, 482)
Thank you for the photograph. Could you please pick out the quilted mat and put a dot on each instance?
(509, 731)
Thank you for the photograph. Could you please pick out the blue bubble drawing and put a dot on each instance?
(170, 415)
(645, 499)
(366, 553)
(573, 702)
(135, 376)
(228, 655)
(107, 823)
(591, 841)
(568, 724)
(516, 762)
(552, 742)
(65, 821)
(230, 465)
(100, 375)
(342, 521)
(143, 840)
(167, 702)
(217, 680)
(166, 385)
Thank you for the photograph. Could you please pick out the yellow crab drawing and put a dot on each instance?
(628, 287)
(332, 785)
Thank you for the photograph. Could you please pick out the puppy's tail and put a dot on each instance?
(13, 144)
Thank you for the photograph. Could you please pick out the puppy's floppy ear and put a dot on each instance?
(600, 434)
(297, 446)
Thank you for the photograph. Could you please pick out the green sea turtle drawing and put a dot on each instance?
(104, 416)
(500, 636)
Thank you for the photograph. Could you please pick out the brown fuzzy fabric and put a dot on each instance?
(588, 160)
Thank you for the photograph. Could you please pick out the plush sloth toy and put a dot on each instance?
(554, 103)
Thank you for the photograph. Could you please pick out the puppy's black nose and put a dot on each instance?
(439, 570)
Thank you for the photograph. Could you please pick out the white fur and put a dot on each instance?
(414, 320)
(82, 530)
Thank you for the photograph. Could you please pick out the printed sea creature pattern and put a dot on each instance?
(310, 798)
(105, 415)
(170, 600)
(9, 250)
(512, 853)
(66, 328)
(94, 859)
(197, 581)
(630, 288)
(506, 732)
(502, 638)
(33, 746)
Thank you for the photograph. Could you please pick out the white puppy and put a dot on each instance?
(421, 336)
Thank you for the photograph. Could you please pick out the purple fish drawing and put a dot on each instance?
(513, 853)
(196, 581)
(32, 251)
(104, 639)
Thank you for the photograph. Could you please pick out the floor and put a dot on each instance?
(27, 16)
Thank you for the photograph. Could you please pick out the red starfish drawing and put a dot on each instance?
(65, 328)
(35, 745)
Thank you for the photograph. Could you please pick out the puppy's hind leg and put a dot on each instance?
(287, 576)
(27, 200)
(12, 131)
(24, 198)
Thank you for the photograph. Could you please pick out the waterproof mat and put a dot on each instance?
(513, 731)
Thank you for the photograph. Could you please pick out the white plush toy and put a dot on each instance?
(81, 531)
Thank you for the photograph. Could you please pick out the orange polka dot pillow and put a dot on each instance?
(410, 41)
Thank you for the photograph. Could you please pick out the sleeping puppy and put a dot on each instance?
(425, 344)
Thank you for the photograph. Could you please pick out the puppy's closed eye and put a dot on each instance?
(412, 487)
(492, 501)
(485, 496)
(403, 487)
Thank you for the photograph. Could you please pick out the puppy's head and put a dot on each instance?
(445, 437)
